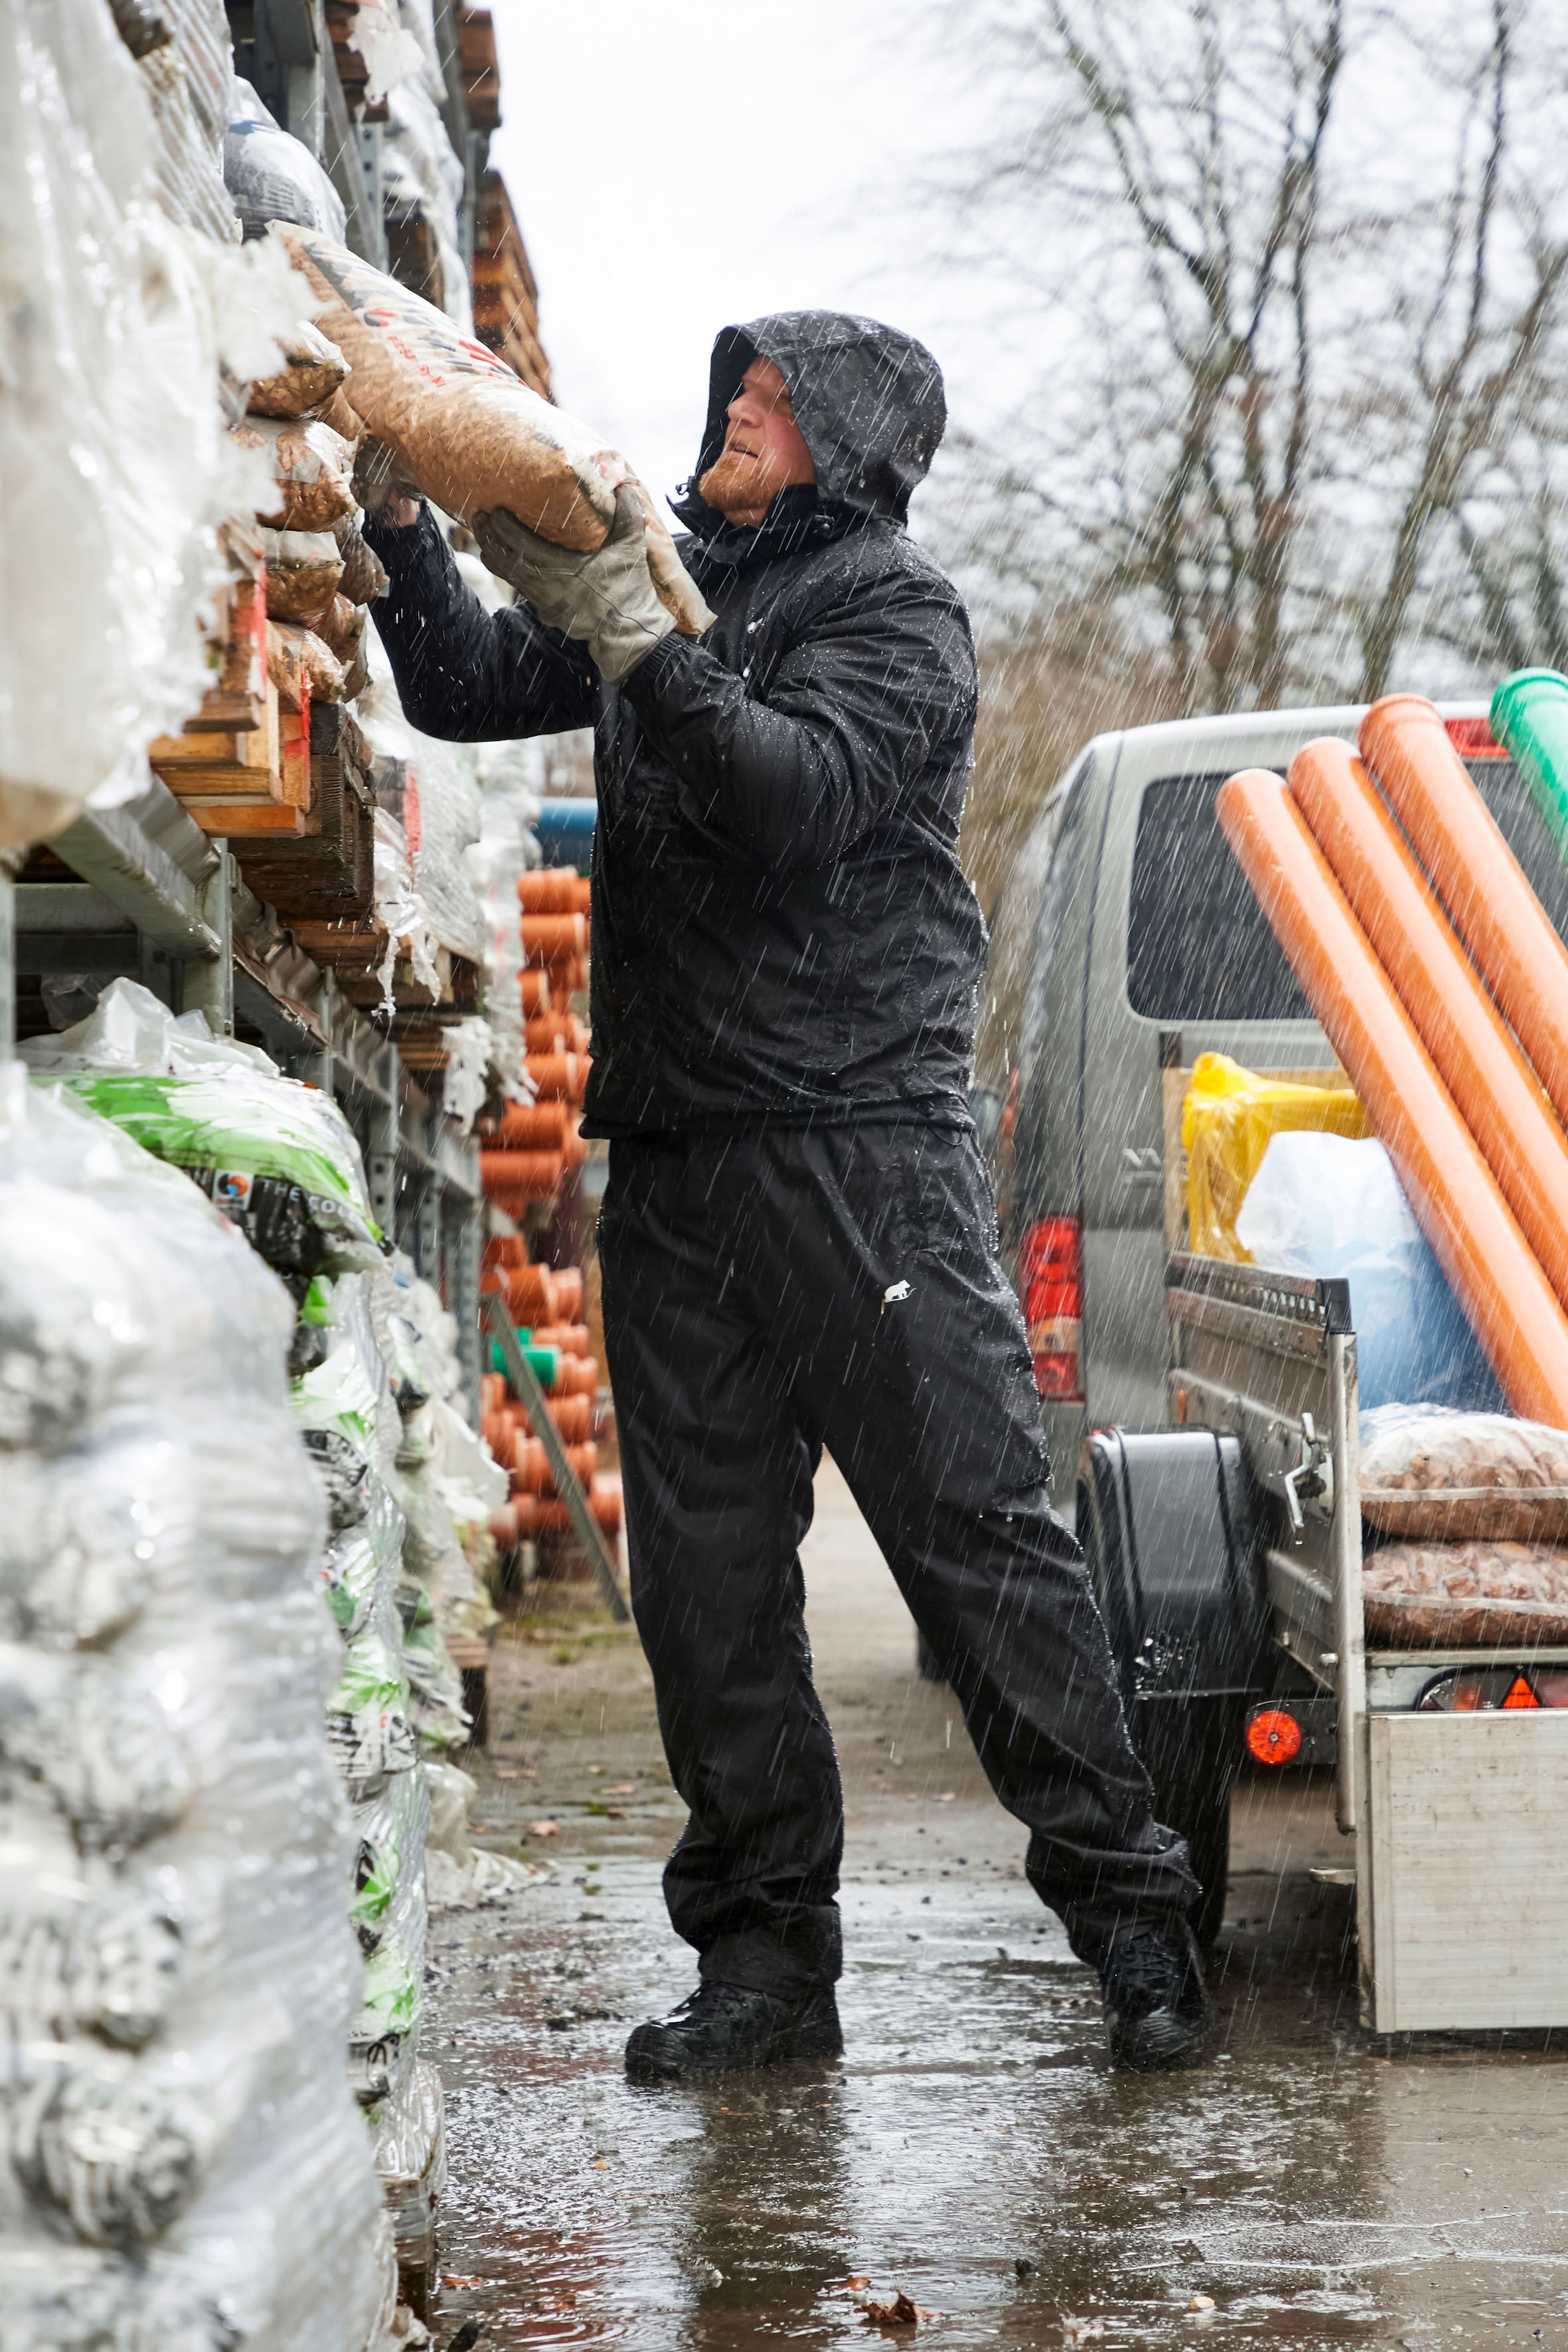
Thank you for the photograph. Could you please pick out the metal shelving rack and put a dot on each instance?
(154, 900)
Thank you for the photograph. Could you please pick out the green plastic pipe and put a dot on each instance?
(546, 1361)
(1530, 720)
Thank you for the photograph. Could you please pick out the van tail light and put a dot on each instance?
(1273, 1736)
(1050, 1276)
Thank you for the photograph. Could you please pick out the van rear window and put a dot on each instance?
(1198, 946)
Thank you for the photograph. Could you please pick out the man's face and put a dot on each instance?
(764, 449)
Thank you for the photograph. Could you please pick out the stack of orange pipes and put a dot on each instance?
(1381, 954)
(536, 1148)
(535, 1509)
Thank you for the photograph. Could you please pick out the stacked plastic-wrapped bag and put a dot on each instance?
(345, 1405)
(281, 1160)
(185, 2166)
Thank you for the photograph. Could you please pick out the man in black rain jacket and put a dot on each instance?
(798, 1240)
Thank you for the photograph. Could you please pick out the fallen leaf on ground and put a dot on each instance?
(449, 2278)
(623, 1789)
(614, 1812)
(544, 1828)
(899, 2312)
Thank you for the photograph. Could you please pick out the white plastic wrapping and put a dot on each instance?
(511, 776)
(470, 1046)
(185, 2164)
(420, 172)
(187, 79)
(271, 176)
(115, 467)
(459, 1874)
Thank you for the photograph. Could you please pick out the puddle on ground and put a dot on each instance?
(974, 2151)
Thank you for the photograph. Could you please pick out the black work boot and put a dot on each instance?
(1158, 2009)
(723, 2026)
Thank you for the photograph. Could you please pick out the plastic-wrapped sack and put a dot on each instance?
(1323, 1206)
(271, 176)
(1428, 1472)
(1483, 1593)
(368, 1726)
(391, 1831)
(463, 425)
(311, 467)
(279, 1158)
(1229, 1119)
(179, 1973)
(384, 2036)
(460, 1875)
(410, 2140)
(115, 468)
(312, 370)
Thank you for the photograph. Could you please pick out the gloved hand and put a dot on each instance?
(606, 600)
(381, 488)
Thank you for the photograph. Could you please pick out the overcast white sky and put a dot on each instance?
(676, 164)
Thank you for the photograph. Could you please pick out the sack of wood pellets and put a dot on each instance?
(312, 370)
(469, 433)
(364, 574)
(1444, 1595)
(304, 571)
(279, 1158)
(1428, 1472)
(460, 423)
(312, 466)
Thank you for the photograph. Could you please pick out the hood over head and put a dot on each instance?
(868, 400)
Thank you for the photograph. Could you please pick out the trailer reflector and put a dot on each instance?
(1273, 1736)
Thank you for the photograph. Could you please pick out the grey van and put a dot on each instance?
(1125, 943)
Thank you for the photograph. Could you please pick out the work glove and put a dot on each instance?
(607, 600)
(378, 479)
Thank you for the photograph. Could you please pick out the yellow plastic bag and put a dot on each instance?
(1229, 1119)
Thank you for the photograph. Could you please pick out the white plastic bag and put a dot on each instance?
(1324, 1206)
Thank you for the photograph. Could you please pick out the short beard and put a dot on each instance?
(736, 484)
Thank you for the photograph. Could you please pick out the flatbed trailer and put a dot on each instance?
(1455, 1819)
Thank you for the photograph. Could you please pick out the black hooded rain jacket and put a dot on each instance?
(781, 929)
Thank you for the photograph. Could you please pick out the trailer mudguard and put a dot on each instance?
(1165, 1520)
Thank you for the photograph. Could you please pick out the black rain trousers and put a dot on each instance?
(771, 1292)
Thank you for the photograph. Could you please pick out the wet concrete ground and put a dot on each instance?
(1308, 2186)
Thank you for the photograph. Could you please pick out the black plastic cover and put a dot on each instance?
(1164, 1517)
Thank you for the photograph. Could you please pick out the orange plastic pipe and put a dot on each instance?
(1494, 1273)
(1440, 988)
(1478, 878)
